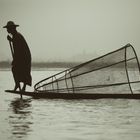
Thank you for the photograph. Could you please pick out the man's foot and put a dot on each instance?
(24, 87)
(17, 86)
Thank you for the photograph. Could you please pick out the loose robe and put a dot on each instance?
(21, 65)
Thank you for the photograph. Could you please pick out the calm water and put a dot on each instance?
(45, 119)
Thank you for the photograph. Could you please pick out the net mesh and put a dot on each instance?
(115, 72)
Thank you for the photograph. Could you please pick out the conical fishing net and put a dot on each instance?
(115, 72)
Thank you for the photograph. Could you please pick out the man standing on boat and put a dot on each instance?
(21, 64)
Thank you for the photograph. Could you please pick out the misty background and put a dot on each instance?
(71, 30)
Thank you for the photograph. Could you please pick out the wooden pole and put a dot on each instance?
(12, 51)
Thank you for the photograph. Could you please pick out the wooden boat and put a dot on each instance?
(113, 75)
(75, 95)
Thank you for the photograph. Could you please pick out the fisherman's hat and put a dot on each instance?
(10, 24)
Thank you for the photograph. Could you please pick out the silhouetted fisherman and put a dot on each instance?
(21, 64)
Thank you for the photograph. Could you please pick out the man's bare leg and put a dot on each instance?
(24, 87)
(17, 85)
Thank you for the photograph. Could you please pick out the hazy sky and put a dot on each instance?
(71, 30)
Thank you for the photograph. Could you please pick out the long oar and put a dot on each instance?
(12, 51)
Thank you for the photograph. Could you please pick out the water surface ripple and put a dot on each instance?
(58, 119)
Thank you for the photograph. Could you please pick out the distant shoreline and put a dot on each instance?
(5, 65)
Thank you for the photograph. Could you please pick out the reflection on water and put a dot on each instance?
(58, 119)
(20, 119)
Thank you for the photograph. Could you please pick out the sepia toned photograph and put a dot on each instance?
(69, 70)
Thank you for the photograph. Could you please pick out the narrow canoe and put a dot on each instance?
(74, 95)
